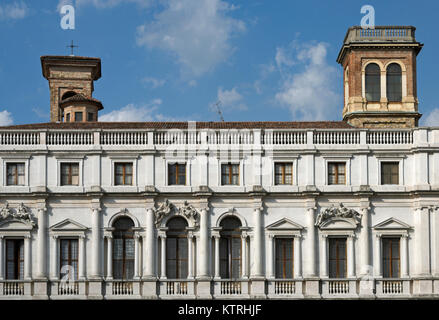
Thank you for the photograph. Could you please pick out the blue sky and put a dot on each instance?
(174, 59)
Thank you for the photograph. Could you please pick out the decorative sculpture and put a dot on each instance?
(340, 212)
(166, 208)
(22, 214)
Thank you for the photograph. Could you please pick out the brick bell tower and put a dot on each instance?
(71, 85)
(380, 77)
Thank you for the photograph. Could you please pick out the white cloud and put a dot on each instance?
(432, 119)
(197, 32)
(309, 93)
(6, 118)
(15, 10)
(230, 100)
(133, 113)
(154, 82)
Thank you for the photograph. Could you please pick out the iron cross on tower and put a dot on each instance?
(72, 47)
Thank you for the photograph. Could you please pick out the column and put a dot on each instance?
(404, 256)
(311, 256)
(204, 252)
(190, 268)
(27, 258)
(324, 256)
(2, 270)
(163, 257)
(377, 256)
(95, 243)
(217, 257)
(271, 249)
(109, 257)
(351, 256)
(244, 256)
(81, 262)
(297, 256)
(364, 242)
(136, 256)
(422, 241)
(149, 245)
(54, 258)
(258, 237)
(41, 243)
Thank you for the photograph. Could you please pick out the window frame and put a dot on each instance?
(284, 239)
(124, 164)
(18, 264)
(379, 65)
(61, 160)
(241, 173)
(70, 175)
(399, 100)
(119, 159)
(168, 173)
(337, 259)
(231, 174)
(328, 159)
(283, 165)
(386, 238)
(382, 163)
(6, 161)
(60, 259)
(124, 259)
(16, 175)
(336, 175)
(76, 113)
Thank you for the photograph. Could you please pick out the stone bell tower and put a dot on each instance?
(380, 77)
(71, 87)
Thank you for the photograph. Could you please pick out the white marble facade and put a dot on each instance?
(309, 211)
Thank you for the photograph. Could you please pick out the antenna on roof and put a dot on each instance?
(218, 109)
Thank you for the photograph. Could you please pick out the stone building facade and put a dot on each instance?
(221, 210)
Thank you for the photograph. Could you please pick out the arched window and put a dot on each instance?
(373, 82)
(177, 249)
(123, 252)
(68, 94)
(394, 83)
(230, 248)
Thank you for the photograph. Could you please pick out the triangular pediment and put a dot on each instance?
(392, 224)
(284, 224)
(68, 225)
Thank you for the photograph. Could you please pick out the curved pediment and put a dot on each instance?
(15, 225)
(339, 224)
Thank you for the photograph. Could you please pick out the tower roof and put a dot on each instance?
(379, 36)
(80, 98)
(71, 61)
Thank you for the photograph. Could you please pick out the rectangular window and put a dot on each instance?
(283, 173)
(177, 257)
(336, 173)
(69, 258)
(123, 174)
(177, 174)
(230, 257)
(68, 117)
(123, 257)
(78, 116)
(229, 174)
(389, 172)
(69, 174)
(337, 258)
(14, 259)
(15, 174)
(90, 116)
(284, 258)
(391, 258)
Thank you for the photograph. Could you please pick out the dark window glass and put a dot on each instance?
(391, 259)
(14, 259)
(177, 249)
(337, 257)
(68, 117)
(336, 173)
(123, 249)
(230, 249)
(90, 116)
(69, 174)
(78, 116)
(123, 174)
(69, 258)
(283, 173)
(229, 174)
(284, 258)
(394, 83)
(389, 173)
(177, 174)
(373, 82)
(15, 174)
